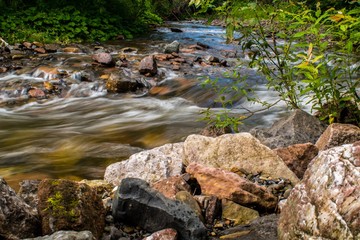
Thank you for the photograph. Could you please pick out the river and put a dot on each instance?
(76, 136)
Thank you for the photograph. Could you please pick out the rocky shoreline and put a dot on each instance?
(297, 180)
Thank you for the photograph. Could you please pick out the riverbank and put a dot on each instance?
(229, 187)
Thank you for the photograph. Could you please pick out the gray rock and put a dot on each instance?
(103, 58)
(28, 191)
(67, 235)
(326, 203)
(150, 165)
(17, 219)
(137, 204)
(299, 127)
(172, 47)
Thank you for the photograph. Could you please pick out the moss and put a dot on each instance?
(59, 207)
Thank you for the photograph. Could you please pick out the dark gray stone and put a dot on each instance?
(17, 219)
(137, 204)
(298, 127)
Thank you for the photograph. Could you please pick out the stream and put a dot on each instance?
(77, 134)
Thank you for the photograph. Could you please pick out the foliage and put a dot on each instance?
(304, 54)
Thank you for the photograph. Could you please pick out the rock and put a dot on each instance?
(212, 59)
(36, 93)
(234, 152)
(326, 203)
(338, 134)
(299, 127)
(211, 207)
(3, 69)
(262, 228)
(118, 84)
(169, 187)
(51, 48)
(40, 50)
(203, 45)
(166, 234)
(137, 204)
(67, 235)
(228, 185)
(68, 205)
(17, 219)
(176, 30)
(103, 58)
(47, 73)
(237, 213)
(148, 66)
(28, 45)
(29, 193)
(188, 199)
(297, 157)
(150, 165)
(72, 50)
(172, 47)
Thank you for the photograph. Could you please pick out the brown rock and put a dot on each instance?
(171, 186)
(68, 205)
(40, 50)
(51, 47)
(188, 199)
(47, 72)
(148, 66)
(118, 84)
(166, 234)
(72, 50)
(3, 69)
(298, 156)
(36, 93)
(228, 185)
(326, 203)
(211, 207)
(28, 45)
(237, 213)
(338, 134)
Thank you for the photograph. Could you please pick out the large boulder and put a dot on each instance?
(137, 204)
(235, 152)
(150, 165)
(148, 66)
(297, 157)
(68, 205)
(228, 185)
(298, 127)
(17, 219)
(338, 134)
(326, 203)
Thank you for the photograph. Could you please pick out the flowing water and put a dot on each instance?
(77, 135)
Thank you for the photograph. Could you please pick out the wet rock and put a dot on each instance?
(51, 48)
(28, 45)
(297, 157)
(263, 228)
(103, 58)
(151, 165)
(326, 203)
(67, 235)
(48, 73)
(238, 214)
(188, 199)
(235, 152)
(178, 30)
(40, 50)
(338, 134)
(72, 50)
(166, 234)
(229, 185)
(172, 47)
(3, 69)
(203, 45)
(129, 50)
(169, 187)
(136, 203)
(298, 127)
(119, 84)
(17, 219)
(211, 207)
(212, 59)
(36, 93)
(68, 205)
(148, 66)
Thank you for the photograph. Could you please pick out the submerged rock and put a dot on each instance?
(17, 219)
(298, 127)
(326, 203)
(137, 204)
(68, 205)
